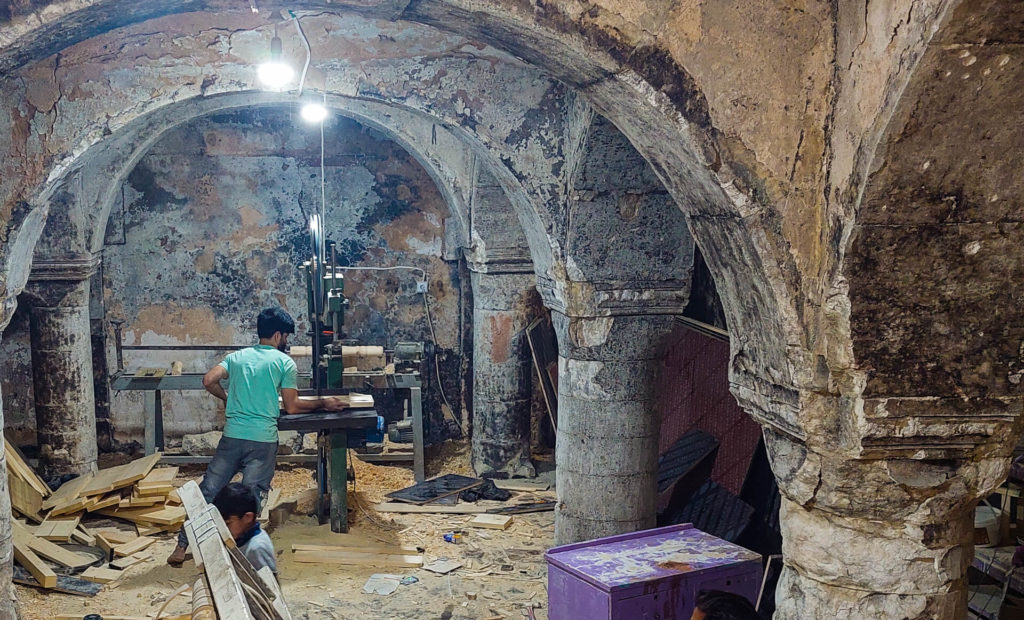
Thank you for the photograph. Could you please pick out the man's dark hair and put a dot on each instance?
(273, 320)
(235, 500)
(719, 605)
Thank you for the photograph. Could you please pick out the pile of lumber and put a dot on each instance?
(134, 492)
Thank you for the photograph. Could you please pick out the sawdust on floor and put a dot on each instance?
(504, 570)
(450, 457)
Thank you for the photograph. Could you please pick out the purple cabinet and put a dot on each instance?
(650, 575)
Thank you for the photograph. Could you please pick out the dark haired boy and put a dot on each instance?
(256, 374)
(719, 605)
(238, 505)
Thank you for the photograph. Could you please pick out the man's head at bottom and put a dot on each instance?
(719, 605)
(238, 505)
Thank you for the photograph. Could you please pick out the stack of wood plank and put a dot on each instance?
(135, 492)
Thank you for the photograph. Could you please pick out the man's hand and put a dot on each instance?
(333, 403)
(293, 404)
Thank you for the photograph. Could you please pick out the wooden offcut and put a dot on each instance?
(493, 522)
(58, 530)
(130, 560)
(68, 492)
(156, 515)
(130, 548)
(49, 550)
(96, 574)
(25, 499)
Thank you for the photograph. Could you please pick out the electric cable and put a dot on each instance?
(430, 324)
(309, 51)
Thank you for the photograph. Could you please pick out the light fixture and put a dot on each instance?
(275, 73)
(314, 113)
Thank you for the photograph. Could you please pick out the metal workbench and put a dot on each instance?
(152, 387)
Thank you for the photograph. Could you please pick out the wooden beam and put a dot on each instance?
(50, 551)
(356, 558)
(24, 555)
(458, 509)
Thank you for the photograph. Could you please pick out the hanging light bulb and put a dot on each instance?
(314, 113)
(275, 73)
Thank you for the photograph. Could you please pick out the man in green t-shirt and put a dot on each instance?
(256, 375)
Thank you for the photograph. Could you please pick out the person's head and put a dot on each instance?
(273, 326)
(237, 504)
(719, 605)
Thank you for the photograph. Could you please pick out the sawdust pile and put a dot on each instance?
(451, 457)
(293, 480)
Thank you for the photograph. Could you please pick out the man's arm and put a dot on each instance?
(212, 379)
(294, 404)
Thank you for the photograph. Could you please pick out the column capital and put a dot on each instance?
(73, 269)
(614, 298)
(500, 261)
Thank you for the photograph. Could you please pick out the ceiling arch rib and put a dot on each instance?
(662, 115)
(78, 227)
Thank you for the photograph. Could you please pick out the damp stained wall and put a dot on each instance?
(212, 228)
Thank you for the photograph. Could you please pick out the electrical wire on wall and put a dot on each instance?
(430, 325)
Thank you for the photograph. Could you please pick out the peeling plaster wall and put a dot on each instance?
(19, 404)
(212, 227)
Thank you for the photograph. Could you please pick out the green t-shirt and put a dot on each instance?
(254, 377)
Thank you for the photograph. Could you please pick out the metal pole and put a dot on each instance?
(339, 481)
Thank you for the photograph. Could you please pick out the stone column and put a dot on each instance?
(607, 442)
(875, 537)
(62, 375)
(502, 372)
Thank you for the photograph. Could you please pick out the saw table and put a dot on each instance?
(335, 430)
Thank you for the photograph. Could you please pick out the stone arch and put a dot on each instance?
(81, 231)
(655, 102)
(929, 398)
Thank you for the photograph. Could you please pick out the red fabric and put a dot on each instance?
(695, 394)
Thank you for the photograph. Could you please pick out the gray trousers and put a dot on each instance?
(256, 461)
